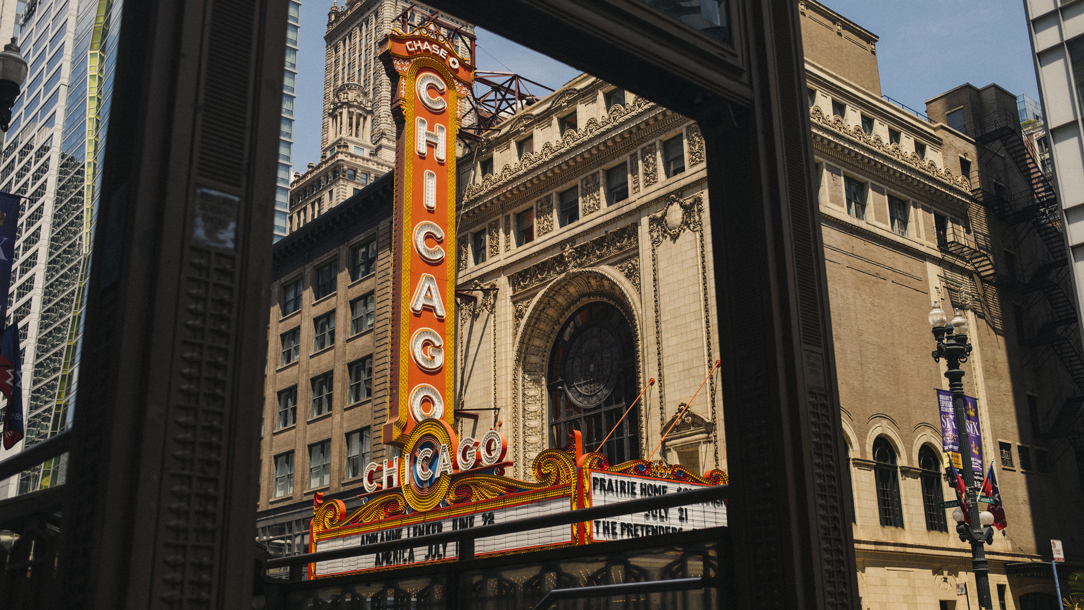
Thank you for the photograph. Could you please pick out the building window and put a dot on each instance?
(291, 346)
(965, 168)
(811, 95)
(287, 413)
(284, 474)
(363, 260)
(351, 174)
(1076, 57)
(614, 97)
(363, 177)
(932, 494)
(321, 393)
(673, 153)
(1006, 454)
(617, 184)
(1025, 457)
(867, 125)
(856, 197)
(940, 228)
(839, 109)
(291, 297)
(487, 166)
(893, 137)
(567, 122)
(569, 206)
(525, 146)
(358, 451)
(887, 475)
(362, 313)
(900, 211)
(1001, 596)
(319, 464)
(525, 227)
(325, 280)
(478, 247)
(920, 149)
(323, 331)
(361, 379)
(956, 120)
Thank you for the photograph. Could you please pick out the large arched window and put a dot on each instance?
(931, 489)
(888, 484)
(592, 380)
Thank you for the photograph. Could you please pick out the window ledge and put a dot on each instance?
(309, 492)
(363, 401)
(361, 333)
(296, 312)
(286, 366)
(324, 298)
(361, 279)
(322, 350)
(281, 499)
(321, 416)
(1008, 468)
(284, 429)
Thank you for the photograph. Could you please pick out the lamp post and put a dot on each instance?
(12, 75)
(952, 345)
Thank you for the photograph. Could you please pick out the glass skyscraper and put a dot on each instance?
(286, 133)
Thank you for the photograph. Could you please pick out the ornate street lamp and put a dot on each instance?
(952, 345)
(12, 76)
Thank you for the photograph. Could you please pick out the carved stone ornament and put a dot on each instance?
(572, 140)
(696, 144)
(486, 300)
(507, 233)
(520, 313)
(631, 270)
(463, 255)
(651, 169)
(589, 191)
(351, 93)
(576, 257)
(544, 215)
(678, 215)
(634, 171)
(892, 151)
(494, 238)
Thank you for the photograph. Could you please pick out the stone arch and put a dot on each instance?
(927, 437)
(881, 429)
(541, 323)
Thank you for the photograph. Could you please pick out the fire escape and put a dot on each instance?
(1036, 211)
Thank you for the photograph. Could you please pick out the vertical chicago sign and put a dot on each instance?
(429, 80)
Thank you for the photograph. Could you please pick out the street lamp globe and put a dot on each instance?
(959, 323)
(937, 316)
(958, 516)
(986, 518)
(13, 70)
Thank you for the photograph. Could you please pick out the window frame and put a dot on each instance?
(322, 403)
(566, 122)
(321, 470)
(568, 211)
(524, 146)
(867, 125)
(932, 489)
(286, 416)
(610, 198)
(900, 226)
(292, 303)
(325, 337)
(1004, 451)
(668, 162)
(290, 354)
(853, 204)
(479, 242)
(523, 239)
(324, 279)
(285, 478)
(887, 482)
(355, 327)
(353, 469)
(360, 384)
(608, 98)
(839, 109)
(363, 257)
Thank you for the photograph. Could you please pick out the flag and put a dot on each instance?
(961, 490)
(989, 489)
(11, 386)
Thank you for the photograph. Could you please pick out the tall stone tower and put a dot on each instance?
(357, 139)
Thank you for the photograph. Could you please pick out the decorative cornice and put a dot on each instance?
(570, 142)
(487, 302)
(959, 185)
(575, 257)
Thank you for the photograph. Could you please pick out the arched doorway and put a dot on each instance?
(591, 380)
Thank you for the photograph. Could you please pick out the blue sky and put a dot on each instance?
(926, 47)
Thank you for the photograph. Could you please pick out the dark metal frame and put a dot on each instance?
(163, 459)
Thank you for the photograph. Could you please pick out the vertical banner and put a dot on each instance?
(950, 438)
(429, 81)
(11, 386)
(9, 220)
